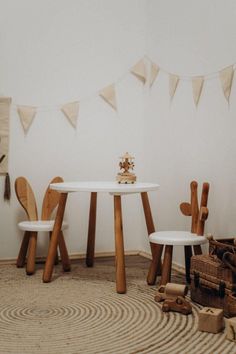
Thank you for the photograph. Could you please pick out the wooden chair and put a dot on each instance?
(33, 225)
(187, 239)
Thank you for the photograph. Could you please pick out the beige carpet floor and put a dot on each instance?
(80, 312)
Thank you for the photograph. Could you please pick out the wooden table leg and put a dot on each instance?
(23, 250)
(197, 249)
(155, 267)
(91, 230)
(48, 269)
(167, 264)
(119, 246)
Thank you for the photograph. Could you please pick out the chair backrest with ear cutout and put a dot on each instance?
(199, 215)
(51, 200)
(25, 196)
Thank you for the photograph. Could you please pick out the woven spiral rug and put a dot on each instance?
(80, 312)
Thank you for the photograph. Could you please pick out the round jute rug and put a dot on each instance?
(80, 312)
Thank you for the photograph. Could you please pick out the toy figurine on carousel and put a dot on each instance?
(126, 163)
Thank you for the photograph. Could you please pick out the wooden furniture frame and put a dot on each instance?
(26, 198)
(116, 190)
(199, 215)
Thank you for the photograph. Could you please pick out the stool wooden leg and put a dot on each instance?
(48, 269)
(155, 267)
(23, 250)
(119, 245)
(30, 267)
(91, 230)
(166, 267)
(64, 254)
(188, 255)
(197, 249)
(57, 257)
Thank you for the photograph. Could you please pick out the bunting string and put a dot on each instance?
(146, 72)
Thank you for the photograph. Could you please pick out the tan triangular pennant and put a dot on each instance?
(26, 114)
(154, 70)
(226, 78)
(5, 104)
(139, 70)
(109, 95)
(71, 111)
(173, 83)
(197, 84)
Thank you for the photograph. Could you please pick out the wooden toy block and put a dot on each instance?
(231, 329)
(210, 320)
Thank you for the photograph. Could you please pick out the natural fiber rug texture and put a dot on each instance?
(80, 312)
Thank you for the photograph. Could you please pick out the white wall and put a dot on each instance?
(58, 51)
(53, 52)
(184, 143)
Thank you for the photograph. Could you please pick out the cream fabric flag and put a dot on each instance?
(197, 84)
(226, 78)
(173, 83)
(71, 111)
(109, 95)
(154, 70)
(26, 114)
(5, 103)
(139, 70)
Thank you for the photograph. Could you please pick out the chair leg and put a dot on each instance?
(188, 255)
(23, 250)
(64, 254)
(30, 268)
(166, 267)
(57, 257)
(91, 230)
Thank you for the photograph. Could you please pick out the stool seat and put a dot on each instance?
(177, 238)
(39, 225)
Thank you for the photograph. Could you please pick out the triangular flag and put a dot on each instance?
(71, 111)
(139, 70)
(226, 78)
(197, 84)
(154, 70)
(109, 95)
(26, 114)
(173, 83)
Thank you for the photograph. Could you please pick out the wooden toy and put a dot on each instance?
(230, 325)
(210, 320)
(126, 163)
(170, 291)
(178, 305)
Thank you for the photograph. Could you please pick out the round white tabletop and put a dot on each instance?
(110, 187)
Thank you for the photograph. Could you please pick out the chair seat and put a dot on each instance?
(39, 225)
(177, 238)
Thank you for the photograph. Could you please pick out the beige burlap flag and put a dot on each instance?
(139, 70)
(197, 84)
(71, 111)
(26, 114)
(5, 103)
(109, 95)
(154, 70)
(226, 78)
(173, 83)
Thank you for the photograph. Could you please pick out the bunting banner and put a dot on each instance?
(140, 71)
(197, 84)
(226, 78)
(154, 70)
(26, 114)
(173, 83)
(71, 111)
(109, 96)
(5, 103)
